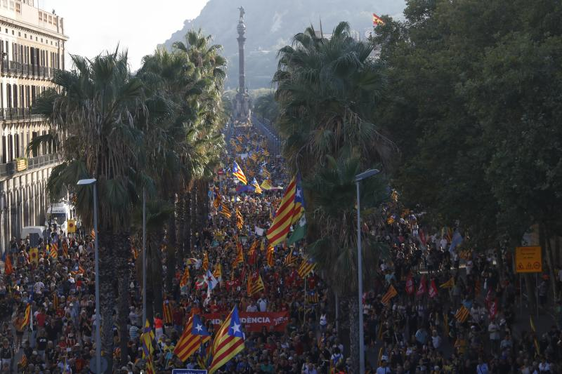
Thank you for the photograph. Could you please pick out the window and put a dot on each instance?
(33, 136)
(4, 149)
(40, 16)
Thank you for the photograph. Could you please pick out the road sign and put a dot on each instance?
(189, 371)
(528, 260)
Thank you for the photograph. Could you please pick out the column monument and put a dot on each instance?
(242, 99)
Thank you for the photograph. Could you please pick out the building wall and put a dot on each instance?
(32, 48)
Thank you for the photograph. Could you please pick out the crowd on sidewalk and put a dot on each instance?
(434, 306)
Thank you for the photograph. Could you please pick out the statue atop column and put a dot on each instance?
(242, 12)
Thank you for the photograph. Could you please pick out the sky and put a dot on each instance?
(139, 26)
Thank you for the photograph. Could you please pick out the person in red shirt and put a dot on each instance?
(158, 326)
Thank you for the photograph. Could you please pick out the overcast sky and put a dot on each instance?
(95, 26)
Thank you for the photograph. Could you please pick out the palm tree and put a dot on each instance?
(327, 90)
(96, 109)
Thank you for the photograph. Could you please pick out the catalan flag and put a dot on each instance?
(281, 225)
(306, 267)
(255, 284)
(290, 260)
(194, 335)
(228, 342)
(239, 220)
(266, 185)
(65, 248)
(462, 314)
(217, 200)
(26, 317)
(239, 256)
(168, 312)
(377, 20)
(269, 256)
(238, 173)
(218, 272)
(205, 265)
(54, 251)
(224, 211)
(449, 284)
(185, 277)
(256, 186)
(389, 295)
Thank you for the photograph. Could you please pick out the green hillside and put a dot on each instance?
(270, 24)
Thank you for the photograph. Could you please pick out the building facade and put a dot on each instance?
(32, 48)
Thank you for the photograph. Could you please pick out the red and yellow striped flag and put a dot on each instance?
(205, 265)
(279, 229)
(239, 220)
(306, 268)
(185, 277)
(255, 284)
(462, 314)
(168, 313)
(239, 256)
(389, 295)
(270, 253)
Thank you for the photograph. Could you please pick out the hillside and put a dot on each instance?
(270, 24)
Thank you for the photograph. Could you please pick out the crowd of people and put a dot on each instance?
(434, 306)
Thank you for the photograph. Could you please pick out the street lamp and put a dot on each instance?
(358, 178)
(88, 182)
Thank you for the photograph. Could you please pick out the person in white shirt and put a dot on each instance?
(383, 369)
(252, 307)
(262, 304)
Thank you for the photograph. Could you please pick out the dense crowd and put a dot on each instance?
(421, 328)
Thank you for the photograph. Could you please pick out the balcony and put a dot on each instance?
(10, 168)
(15, 114)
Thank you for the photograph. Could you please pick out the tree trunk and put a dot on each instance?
(123, 277)
(171, 249)
(187, 225)
(180, 217)
(107, 243)
(353, 305)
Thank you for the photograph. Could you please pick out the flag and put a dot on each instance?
(455, 241)
(23, 361)
(194, 335)
(433, 292)
(269, 256)
(252, 252)
(238, 173)
(299, 233)
(218, 271)
(239, 220)
(410, 284)
(239, 256)
(27, 316)
(266, 185)
(306, 268)
(55, 300)
(8, 268)
(462, 314)
(256, 185)
(534, 330)
(211, 281)
(147, 348)
(168, 313)
(290, 259)
(185, 277)
(228, 342)
(449, 284)
(313, 297)
(205, 265)
(389, 295)
(377, 20)
(421, 289)
(70, 226)
(34, 256)
(224, 210)
(284, 216)
(54, 251)
(65, 248)
(298, 210)
(217, 200)
(255, 284)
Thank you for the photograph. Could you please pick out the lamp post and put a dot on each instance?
(143, 256)
(358, 178)
(87, 182)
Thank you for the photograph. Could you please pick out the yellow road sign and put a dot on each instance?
(528, 260)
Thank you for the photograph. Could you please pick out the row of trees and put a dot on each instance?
(156, 133)
(469, 92)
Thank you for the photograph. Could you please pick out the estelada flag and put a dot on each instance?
(433, 292)
(377, 20)
(421, 289)
(168, 313)
(410, 285)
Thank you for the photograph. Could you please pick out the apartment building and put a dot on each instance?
(32, 48)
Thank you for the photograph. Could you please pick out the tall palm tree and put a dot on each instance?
(96, 109)
(326, 93)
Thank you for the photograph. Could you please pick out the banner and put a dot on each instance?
(254, 321)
